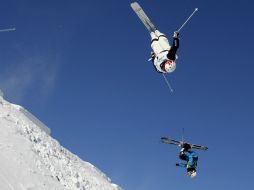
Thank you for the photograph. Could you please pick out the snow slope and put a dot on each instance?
(32, 160)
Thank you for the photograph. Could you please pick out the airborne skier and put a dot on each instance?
(191, 159)
(164, 56)
(186, 154)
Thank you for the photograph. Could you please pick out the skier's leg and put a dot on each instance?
(186, 147)
(182, 156)
(194, 155)
(163, 41)
(155, 44)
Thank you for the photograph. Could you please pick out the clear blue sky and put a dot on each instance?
(81, 67)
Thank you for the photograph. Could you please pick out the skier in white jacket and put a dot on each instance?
(164, 55)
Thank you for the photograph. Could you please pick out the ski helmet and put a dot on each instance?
(192, 173)
(170, 66)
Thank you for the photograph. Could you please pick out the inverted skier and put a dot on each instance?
(164, 55)
(186, 154)
(191, 159)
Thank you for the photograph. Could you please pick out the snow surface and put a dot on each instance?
(30, 159)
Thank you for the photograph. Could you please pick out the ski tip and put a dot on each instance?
(12, 29)
(135, 6)
(196, 9)
(134, 3)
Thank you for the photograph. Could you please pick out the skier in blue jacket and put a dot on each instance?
(191, 159)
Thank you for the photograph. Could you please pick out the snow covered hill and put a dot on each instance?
(32, 160)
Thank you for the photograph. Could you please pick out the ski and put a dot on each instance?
(7, 29)
(167, 140)
(143, 17)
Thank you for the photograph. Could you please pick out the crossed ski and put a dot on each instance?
(167, 140)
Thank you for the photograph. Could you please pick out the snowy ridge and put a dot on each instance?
(32, 160)
(33, 119)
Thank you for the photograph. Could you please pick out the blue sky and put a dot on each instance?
(81, 67)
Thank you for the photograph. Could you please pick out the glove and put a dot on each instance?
(176, 34)
(152, 56)
(177, 164)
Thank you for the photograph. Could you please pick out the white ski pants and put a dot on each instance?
(159, 42)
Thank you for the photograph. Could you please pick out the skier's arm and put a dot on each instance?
(181, 165)
(172, 52)
(176, 43)
(176, 39)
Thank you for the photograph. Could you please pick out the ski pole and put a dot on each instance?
(183, 135)
(7, 30)
(168, 84)
(196, 9)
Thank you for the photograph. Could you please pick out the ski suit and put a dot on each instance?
(162, 50)
(191, 158)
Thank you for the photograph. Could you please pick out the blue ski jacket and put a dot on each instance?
(192, 159)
